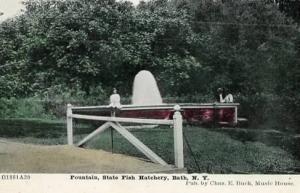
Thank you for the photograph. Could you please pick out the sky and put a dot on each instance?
(11, 8)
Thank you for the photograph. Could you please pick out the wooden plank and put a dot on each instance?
(163, 106)
(138, 144)
(125, 120)
(224, 122)
(140, 127)
(69, 124)
(235, 115)
(178, 140)
(91, 107)
(94, 133)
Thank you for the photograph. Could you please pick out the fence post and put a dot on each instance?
(69, 124)
(235, 115)
(178, 138)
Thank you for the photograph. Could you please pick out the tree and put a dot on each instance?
(290, 7)
(93, 43)
(250, 48)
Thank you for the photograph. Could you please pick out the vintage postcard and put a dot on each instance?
(150, 95)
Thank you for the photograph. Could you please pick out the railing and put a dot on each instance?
(114, 122)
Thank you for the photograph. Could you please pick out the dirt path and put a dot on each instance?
(26, 158)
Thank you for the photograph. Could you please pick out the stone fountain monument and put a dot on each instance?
(145, 89)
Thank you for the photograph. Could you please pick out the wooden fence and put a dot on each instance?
(114, 122)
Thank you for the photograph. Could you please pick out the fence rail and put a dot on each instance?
(114, 122)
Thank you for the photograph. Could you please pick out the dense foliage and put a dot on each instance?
(86, 47)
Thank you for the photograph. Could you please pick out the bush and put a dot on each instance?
(270, 110)
(23, 108)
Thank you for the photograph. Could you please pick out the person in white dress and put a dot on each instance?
(223, 98)
(115, 101)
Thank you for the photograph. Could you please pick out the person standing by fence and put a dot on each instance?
(115, 102)
(223, 97)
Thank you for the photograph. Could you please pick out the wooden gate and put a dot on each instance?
(114, 122)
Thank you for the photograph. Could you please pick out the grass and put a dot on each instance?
(210, 151)
(38, 128)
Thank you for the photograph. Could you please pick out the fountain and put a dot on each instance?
(145, 90)
(147, 103)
